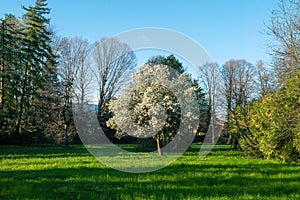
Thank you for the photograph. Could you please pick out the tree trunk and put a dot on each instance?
(235, 143)
(229, 140)
(158, 147)
(213, 124)
(19, 122)
(66, 135)
(2, 79)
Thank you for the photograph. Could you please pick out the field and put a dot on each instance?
(72, 173)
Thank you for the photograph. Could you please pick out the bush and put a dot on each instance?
(275, 123)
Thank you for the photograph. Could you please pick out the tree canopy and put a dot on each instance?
(150, 106)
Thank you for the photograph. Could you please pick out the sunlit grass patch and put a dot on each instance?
(72, 173)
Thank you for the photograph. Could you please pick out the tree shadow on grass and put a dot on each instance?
(181, 180)
(177, 181)
(42, 152)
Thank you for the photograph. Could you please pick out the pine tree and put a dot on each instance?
(9, 77)
(170, 61)
(35, 67)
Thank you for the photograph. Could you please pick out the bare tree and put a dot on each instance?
(240, 89)
(210, 75)
(239, 79)
(112, 60)
(72, 56)
(284, 28)
(264, 77)
(84, 78)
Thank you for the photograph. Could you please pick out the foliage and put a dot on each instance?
(270, 125)
(204, 107)
(26, 53)
(275, 123)
(170, 61)
(150, 104)
(42, 74)
(9, 73)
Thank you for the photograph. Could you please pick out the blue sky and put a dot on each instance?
(226, 29)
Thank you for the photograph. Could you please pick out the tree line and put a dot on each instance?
(27, 72)
(42, 75)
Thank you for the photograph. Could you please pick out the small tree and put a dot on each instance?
(203, 104)
(148, 107)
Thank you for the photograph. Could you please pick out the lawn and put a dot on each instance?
(62, 173)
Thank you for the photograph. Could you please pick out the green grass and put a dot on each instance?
(61, 173)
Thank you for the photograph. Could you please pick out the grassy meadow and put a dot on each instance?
(56, 172)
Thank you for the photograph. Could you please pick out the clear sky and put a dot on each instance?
(226, 29)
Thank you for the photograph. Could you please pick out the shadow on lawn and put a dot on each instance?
(178, 181)
(53, 151)
(42, 152)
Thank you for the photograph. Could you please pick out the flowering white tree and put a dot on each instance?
(160, 103)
